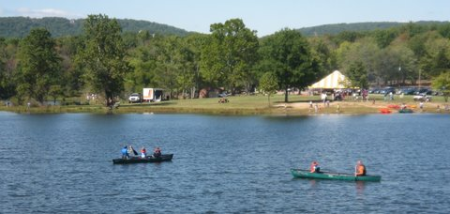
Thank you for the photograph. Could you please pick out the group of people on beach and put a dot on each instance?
(360, 169)
(127, 150)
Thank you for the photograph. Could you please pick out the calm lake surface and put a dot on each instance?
(62, 163)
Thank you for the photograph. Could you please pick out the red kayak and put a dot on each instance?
(385, 111)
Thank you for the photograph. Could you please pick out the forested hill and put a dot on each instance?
(19, 27)
(333, 29)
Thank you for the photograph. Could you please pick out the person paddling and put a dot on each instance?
(143, 152)
(360, 169)
(125, 152)
(315, 168)
(157, 152)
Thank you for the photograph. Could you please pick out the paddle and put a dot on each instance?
(134, 151)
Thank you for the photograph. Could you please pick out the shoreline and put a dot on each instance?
(294, 109)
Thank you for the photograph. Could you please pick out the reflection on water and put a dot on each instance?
(222, 164)
(360, 187)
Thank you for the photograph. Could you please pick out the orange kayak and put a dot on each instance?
(385, 111)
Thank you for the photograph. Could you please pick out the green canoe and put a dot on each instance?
(405, 111)
(301, 173)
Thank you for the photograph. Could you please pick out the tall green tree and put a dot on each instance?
(167, 66)
(322, 53)
(3, 77)
(268, 84)
(73, 74)
(287, 54)
(184, 58)
(442, 83)
(230, 54)
(194, 43)
(407, 64)
(143, 61)
(384, 37)
(436, 58)
(103, 56)
(357, 74)
(364, 51)
(8, 67)
(39, 65)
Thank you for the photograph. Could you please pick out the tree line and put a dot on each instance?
(19, 27)
(333, 29)
(106, 61)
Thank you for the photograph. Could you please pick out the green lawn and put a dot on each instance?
(257, 104)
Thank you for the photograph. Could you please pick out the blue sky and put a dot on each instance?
(264, 16)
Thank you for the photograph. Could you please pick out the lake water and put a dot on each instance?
(62, 163)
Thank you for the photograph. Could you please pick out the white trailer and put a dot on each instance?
(153, 94)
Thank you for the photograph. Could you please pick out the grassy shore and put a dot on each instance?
(245, 105)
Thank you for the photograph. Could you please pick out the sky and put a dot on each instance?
(264, 16)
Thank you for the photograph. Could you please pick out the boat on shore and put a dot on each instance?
(407, 110)
(385, 111)
(149, 159)
(301, 173)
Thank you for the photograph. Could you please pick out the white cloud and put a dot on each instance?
(48, 12)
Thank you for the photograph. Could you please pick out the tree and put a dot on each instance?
(287, 54)
(195, 42)
(3, 77)
(268, 84)
(39, 65)
(364, 51)
(103, 56)
(143, 61)
(72, 73)
(407, 69)
(357, 74)
(436, 58)
(185, 60)
(231, 52)
(8, 67)
(384, 37)
(321, 52)
(442, 83)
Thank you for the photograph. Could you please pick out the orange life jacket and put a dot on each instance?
(313, 167)
(361, 170)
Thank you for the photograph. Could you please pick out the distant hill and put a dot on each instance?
(19, 27)
(333, 29)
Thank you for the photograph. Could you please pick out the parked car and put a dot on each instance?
(422, 97)
(409, 91)
(135, 98)
(437, 93)
(425, 91)
(387, 90)
(401, 91)
(373, 90)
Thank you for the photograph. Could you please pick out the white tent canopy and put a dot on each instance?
(334, 80)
